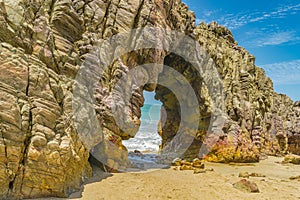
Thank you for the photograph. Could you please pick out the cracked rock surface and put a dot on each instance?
(43, 44)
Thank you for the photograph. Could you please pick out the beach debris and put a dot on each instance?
(246, 186)
(197, 165)
(294, 159)
(295, 178)
(247, 175)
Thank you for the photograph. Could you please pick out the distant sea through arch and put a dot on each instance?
(146, 139)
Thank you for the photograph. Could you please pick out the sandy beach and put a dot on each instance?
(175, 184)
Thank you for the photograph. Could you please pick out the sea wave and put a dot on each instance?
(147, 139)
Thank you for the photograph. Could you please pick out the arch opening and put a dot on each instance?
(170, 122)
(118, 96)
(143, 148)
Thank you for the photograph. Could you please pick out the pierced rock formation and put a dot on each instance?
(45, 43)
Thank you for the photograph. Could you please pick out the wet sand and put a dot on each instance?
(171, 184)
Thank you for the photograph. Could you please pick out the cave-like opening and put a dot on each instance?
(143, 148)
(135, 122)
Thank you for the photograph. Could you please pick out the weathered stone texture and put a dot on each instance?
(43, 44)
(259, 120)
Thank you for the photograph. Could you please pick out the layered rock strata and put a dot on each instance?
(45, 43)
(259, 119)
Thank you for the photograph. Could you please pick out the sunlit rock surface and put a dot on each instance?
(43, 44)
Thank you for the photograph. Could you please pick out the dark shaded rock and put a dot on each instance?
(295, 178)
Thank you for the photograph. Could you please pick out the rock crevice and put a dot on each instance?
(44, 45)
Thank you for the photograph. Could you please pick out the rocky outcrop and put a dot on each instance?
(40, 150)
(44, 45)
(259, 120)
(293, 129)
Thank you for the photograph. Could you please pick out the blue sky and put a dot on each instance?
(268, 29)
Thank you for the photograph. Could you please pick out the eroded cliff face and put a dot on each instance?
(260, 120)
(43, 45)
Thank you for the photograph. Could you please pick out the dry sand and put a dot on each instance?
(215, 185)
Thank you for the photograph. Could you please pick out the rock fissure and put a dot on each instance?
(138, 14)
(105, 17)
(41, 153)
(28, 136)
(51, 10)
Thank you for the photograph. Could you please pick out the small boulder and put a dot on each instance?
(246, 186)
(197, 163)
(200, 166)
(244, 174)
(138, 153)
(184, 162)
(295, 178)
(247, 175)
(186, 167)
(257, 175)
(294, 159)
(176, 162)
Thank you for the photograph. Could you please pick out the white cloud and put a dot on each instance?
(284, 72)
(235, 21)
(278, 13)
(278, 38)
(270, 36)
(207, 15)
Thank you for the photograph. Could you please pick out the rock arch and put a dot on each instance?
(44, 43)
(169, 62)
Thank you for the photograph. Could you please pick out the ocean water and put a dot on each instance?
(147, 138)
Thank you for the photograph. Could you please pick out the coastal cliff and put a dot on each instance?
(45, 43)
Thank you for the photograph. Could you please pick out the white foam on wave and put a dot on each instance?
(147, 138)
(144, 162)
(146, 141)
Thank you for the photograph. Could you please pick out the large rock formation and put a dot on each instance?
(43, 45)
(257, 115)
